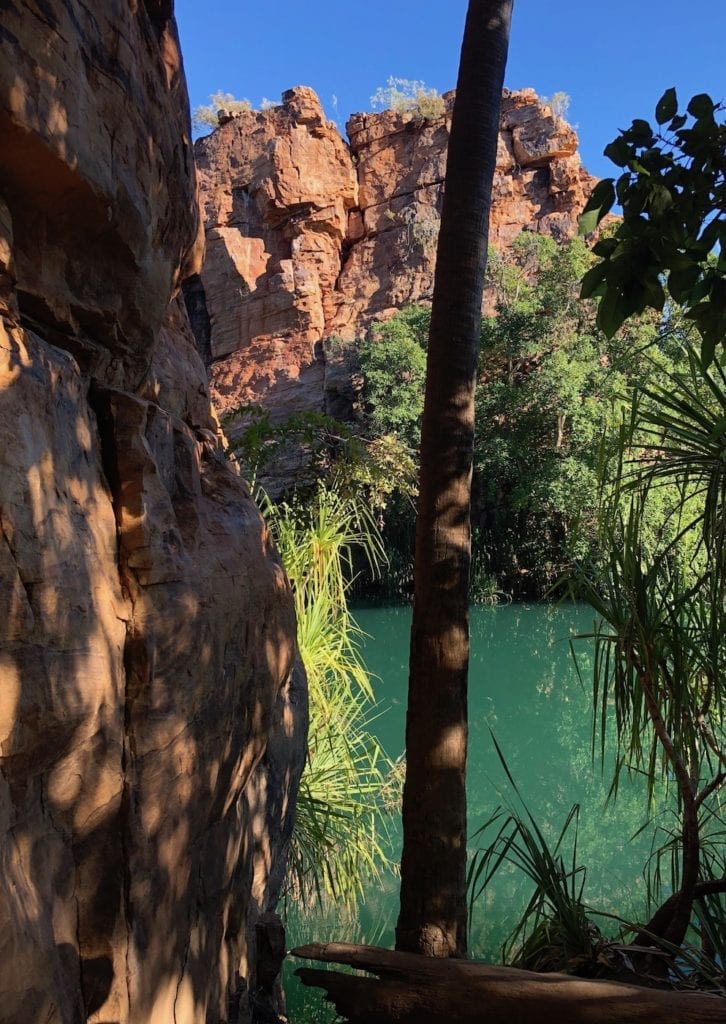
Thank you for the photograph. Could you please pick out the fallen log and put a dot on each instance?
(412, 989)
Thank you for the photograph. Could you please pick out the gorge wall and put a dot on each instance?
(152, 720)
(309, 237)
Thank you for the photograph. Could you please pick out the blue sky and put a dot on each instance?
(614, 58)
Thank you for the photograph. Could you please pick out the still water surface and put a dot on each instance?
(524, 688)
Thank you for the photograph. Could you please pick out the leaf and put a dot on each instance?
(659, 201)
(605, 247)
(710, 235)
(678, 121)
(592, 280)
(708, 350)
(598, 205)
(701, 106)
(680, 282)
(709, 320)
(612, 312)
(666, 107)
(602, 193)
(619, 151)
(637, 168)
(653, 296)
(641, 132)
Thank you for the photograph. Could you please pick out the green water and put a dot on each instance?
(525, 689)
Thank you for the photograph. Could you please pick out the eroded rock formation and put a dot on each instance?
(309, 238)
(151, 726)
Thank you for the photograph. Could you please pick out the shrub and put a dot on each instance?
(407, 96)
(338, 843)
(205, 116)
(423, 224)
(393, 361)
(559, 103)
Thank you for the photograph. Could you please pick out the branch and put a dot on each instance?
(712, 786)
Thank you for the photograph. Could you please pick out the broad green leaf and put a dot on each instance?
(588, 222)
(708, 350)
(602, 192)
(641, 132)
(666, 107)
(592, 280)
(619, 151)
(622, 187)
(654, 296)
(637, 168)
(701, 105)
(605, 247)
(711, 324)
(598, 205)
(680, 282)
(660, 200)
(710, 235)
(612, 312)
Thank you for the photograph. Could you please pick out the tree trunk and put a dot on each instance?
(673, 926)
(418, 990)
(433, 868)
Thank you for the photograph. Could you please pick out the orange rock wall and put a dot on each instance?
(309, 238)
(151, 728)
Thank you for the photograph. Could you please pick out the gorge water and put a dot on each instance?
(525, 689)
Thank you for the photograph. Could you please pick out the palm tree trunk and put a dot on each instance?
(433, 915)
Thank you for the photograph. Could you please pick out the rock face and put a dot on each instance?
(276, 190)
(308, 238)
(152, 730)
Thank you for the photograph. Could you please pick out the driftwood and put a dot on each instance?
(412, 989)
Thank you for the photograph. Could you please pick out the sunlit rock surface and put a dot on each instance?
(309, 238)
(151, 726)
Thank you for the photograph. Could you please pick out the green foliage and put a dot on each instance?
(551, 393)
(683, 434)
(551, 396)
(336, 848)
(322, 448)
(405, 95)
(393, 362)
(660, 635)
(393, 365)
(259, 443)
(422, 229)
(673, 196)
(554, 932)
(205, 115)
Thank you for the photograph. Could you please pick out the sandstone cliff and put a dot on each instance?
(151, 728)
(309, 238)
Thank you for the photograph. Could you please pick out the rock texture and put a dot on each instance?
(151, 727)
(309, 238)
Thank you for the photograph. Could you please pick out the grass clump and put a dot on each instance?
(337, 846)
(408, 96)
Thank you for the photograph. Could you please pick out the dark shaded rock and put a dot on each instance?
(151, 732)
